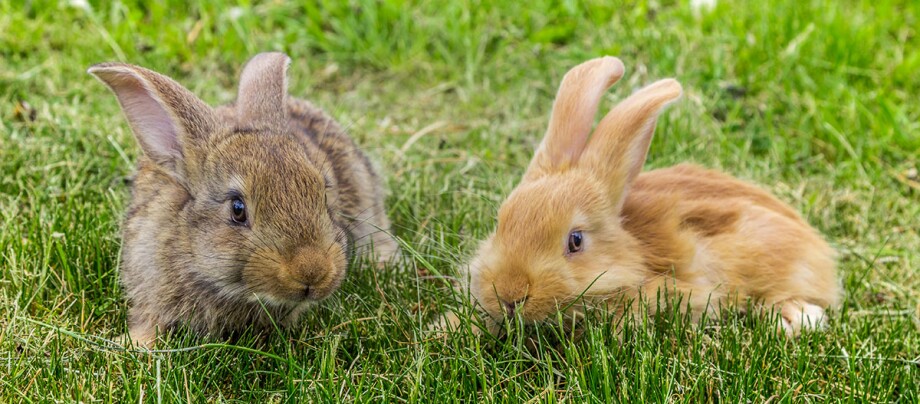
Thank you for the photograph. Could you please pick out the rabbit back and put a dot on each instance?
(716, 231)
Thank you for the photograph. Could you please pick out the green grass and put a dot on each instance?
(814, 99)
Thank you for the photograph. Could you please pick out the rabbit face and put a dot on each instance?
(262, 226)
(557, 241)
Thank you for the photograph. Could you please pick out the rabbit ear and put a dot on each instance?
(162, 113)
(263, 89)
(573, 114)
(619, 146)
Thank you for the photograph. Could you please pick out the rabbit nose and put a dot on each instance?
(308, 266)
(511, 306)
(306, 292)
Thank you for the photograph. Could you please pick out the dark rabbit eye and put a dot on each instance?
(576, 241)
(238, 211)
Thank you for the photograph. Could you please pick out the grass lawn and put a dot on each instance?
(814, 99)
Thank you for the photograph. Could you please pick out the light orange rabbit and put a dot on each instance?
(586, 225)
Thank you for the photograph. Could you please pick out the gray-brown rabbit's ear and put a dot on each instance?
(620, 143)
(263, 89)
(163, 115)
(573, 114)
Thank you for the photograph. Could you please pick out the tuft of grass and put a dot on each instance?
(812, 99)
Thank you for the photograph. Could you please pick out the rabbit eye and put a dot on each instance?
(576, 242)
(238, 211)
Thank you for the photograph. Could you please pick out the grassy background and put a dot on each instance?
(814, 99)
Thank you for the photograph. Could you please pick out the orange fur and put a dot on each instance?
(696, 232)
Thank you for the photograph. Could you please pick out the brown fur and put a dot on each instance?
(310, 194)
(684, 229)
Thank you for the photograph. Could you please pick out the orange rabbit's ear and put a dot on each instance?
(620, 143)
(573, 114)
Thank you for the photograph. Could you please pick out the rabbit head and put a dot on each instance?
(559, 235)
(249, 205)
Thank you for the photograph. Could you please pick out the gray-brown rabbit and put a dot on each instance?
(241, 213)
